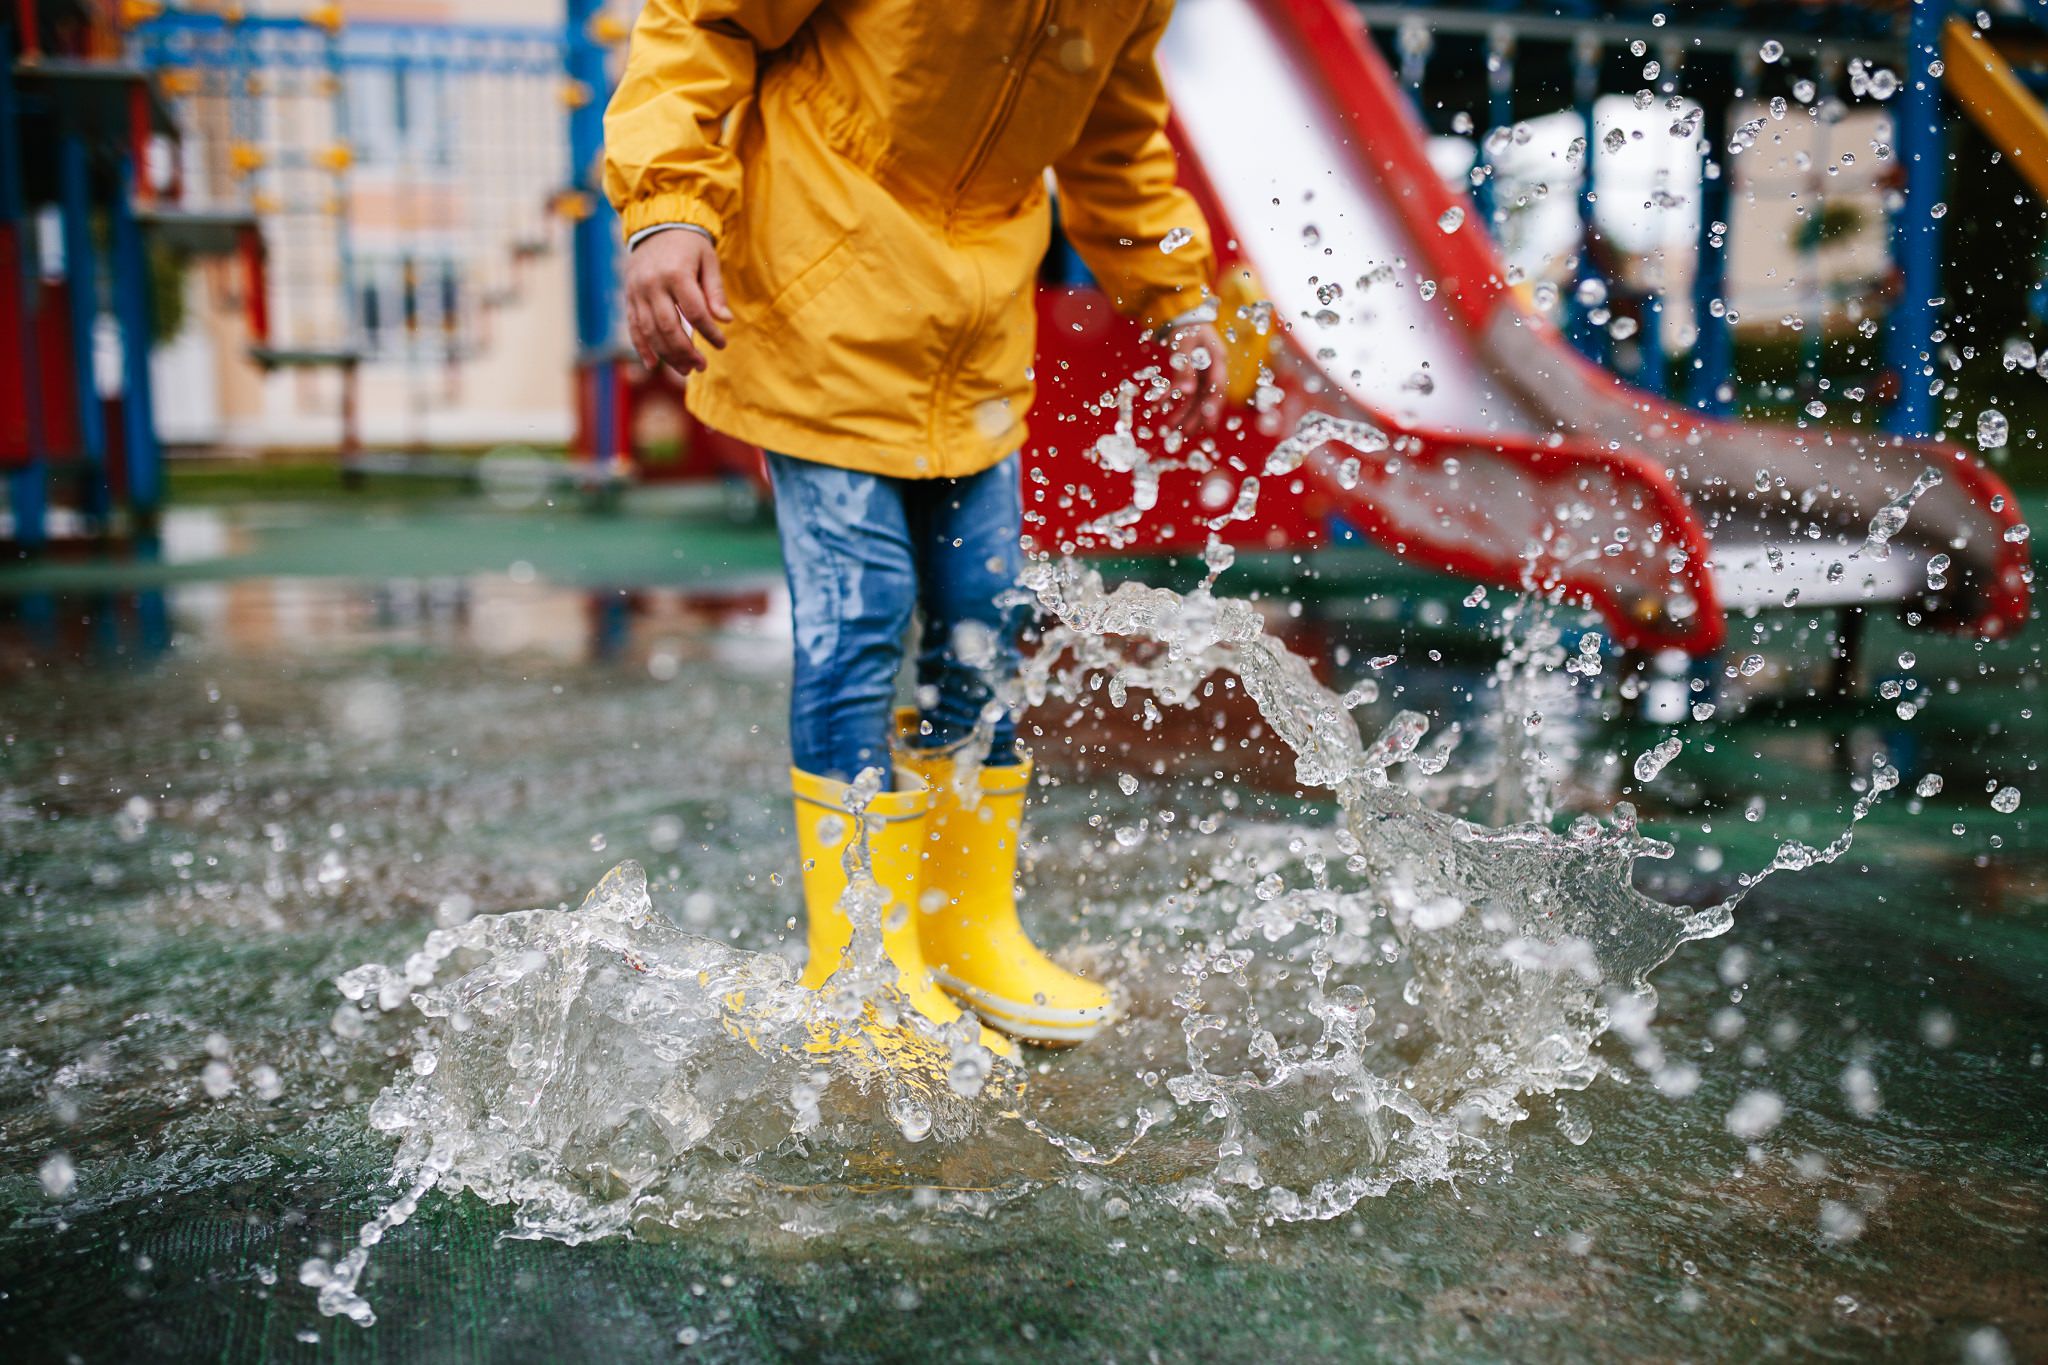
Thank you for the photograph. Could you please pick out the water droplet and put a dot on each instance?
(2007, 801)
(969, 1071)
(1175, 239)
(1840, 1222)
(58, 1176)
(1452, 219)
(1992, 429)
(1754, 1113)
(1772, 50)
(1937, 1028)
(1987, 1346)
(1653, 761)
(217, 1078)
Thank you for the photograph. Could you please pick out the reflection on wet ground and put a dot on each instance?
(218, 793)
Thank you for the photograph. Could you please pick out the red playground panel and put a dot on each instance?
(1086, 353)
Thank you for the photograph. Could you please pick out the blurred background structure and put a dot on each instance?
(369, 235)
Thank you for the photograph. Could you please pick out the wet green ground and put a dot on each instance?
(358, 727)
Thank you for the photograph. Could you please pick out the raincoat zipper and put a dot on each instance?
(1006, 105)
(1013, 87)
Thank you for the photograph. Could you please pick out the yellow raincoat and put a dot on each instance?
(874, 172)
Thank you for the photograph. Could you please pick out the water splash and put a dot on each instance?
(603, 1072)
(1890, 519)
(1509, 942)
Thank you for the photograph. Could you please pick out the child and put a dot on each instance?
(849, 200)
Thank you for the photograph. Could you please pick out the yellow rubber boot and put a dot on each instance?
(968, 922)
(896, 824)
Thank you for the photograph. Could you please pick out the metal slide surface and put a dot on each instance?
(1314, 171)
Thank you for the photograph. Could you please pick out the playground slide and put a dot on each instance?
(1509, 453)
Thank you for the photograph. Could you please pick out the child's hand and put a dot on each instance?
(1197, 365)
(672, 290)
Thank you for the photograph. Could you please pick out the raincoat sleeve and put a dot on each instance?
(1118, 197)
(691, 62)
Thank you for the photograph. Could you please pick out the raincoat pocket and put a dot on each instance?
(807, 284)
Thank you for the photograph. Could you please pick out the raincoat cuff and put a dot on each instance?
(670, 210)
(643, 234)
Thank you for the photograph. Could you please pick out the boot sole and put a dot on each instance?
(1032, 1023)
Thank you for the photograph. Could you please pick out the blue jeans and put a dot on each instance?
(865, 551)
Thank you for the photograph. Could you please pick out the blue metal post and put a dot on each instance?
(132, 310)
(1916, 233)
(595, 233)
(82, 291)
(353, 338)
(1812, 350)
(28, 489)
(1500, 113)
(1591, 340)
(1651, 371)
(1713, 353)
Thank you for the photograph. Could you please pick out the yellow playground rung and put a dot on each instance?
(572, 204)
(335, 156)
(244, 158)
(1993, 95)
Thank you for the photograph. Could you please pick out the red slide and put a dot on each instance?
(1445, 418)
